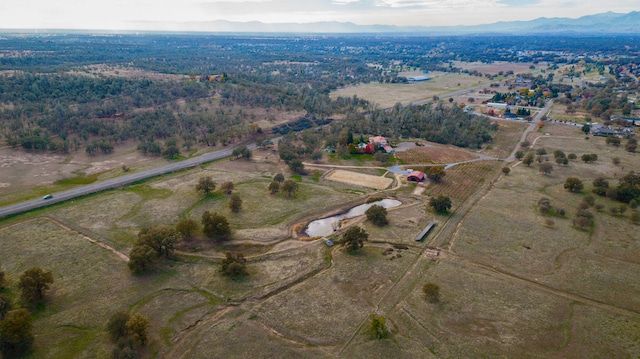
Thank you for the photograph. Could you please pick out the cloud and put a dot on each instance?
(435, 4)
(519, 2)
(344, 2)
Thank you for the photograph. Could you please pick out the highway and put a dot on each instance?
(119, 182)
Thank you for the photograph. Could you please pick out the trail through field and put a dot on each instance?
(121, 255)
(568, 295)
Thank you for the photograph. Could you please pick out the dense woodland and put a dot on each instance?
(53, 97)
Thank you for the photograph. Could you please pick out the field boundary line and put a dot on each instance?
(58, 223)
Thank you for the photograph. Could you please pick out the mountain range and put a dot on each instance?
(599, 24)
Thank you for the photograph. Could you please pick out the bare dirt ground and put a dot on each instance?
(359, 179)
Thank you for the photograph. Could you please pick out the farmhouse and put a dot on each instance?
(416, 176)
(388, 149)
(378, 141)
(600, 130)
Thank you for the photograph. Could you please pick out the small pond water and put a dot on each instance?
(326, 226)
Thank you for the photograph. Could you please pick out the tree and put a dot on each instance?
(586, 128)
(33, 284)
(615, 141)
(234, 266)
(289, 187)
(162, 239)
(187, 228)
(117, 325)
(378, 328)
(137, 326)
(436, 173)
(519, 155)
(573, 184)
(16, 333)
(279, 178)
(615, 160)
(316, 156)
(441, 204)
(378, 215)
(544, 205)
(274, 187)
(431, 292)
(215, 226)
(3, 280)
(141, 258)
(506, 170)
(546, 168)
(5, 305)
(588, 158)
(235, 203)
(572, 156)
(634, 217)
(296, 166)
(353, 238)
(241, 151)
(226, 187)
(528, 159)
(206, 185)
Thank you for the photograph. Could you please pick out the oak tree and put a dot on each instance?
(206, 185)
(33, 284)
(235, 203)
(234, 266)
(137, 326)
(289, 187)
(16, 333)
(573, 184)
(440, 203)
(354, 238)
(215, 226)
(378, 215)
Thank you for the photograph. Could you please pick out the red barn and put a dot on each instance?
(416, 176)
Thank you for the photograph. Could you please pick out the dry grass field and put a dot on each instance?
(387, 95)
(512, 284)
(494, 68)
(434, 154)
(505, 139)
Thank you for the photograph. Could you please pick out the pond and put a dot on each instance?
(326, 226)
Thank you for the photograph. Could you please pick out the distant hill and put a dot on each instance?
(605, 23)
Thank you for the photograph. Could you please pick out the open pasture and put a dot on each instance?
(494, 68)
(387, 95)
(434, 154)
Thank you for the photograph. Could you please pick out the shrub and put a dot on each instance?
(377, 215)
(431, 292)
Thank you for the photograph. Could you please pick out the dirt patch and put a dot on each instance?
(359, 179)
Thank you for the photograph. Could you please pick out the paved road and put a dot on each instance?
(118, 182)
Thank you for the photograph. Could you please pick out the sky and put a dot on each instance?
(171, 14)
